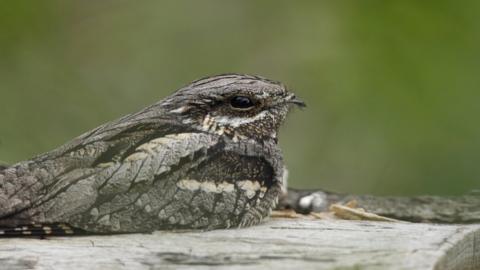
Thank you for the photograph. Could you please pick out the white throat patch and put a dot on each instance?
(237, 121)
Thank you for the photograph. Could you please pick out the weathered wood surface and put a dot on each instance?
(275, 244)
(436, 209)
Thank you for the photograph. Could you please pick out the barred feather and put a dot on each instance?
(40, 230)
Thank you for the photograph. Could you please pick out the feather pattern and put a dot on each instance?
(190, 161)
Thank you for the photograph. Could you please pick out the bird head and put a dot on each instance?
(239, 106)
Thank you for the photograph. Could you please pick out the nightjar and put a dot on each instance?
(205, 157)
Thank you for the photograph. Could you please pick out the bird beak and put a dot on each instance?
(294, 100)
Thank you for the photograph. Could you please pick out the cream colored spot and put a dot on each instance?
(238, 121)
(225, 187)
(188, 184)
(148, 147)
(180, 136)
(207, 121)
(250, 187)
(180, 110)
(91, 151)
(263, 190)
(64, 226)
(206, 186)
(137, 156)
(162, 140)
(105, 165)
(221, 130)
(209, 187)
(47, 229)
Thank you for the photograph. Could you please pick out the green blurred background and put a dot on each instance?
(392, 86)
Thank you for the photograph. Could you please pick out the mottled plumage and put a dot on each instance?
(205, 157)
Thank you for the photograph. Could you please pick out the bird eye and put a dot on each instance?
(241, 102)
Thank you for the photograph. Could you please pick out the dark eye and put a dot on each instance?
(241, 102)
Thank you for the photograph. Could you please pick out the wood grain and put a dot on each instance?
(275, 244)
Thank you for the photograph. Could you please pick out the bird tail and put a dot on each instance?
(40, 230)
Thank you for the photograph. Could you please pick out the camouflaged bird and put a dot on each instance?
(205, 157)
